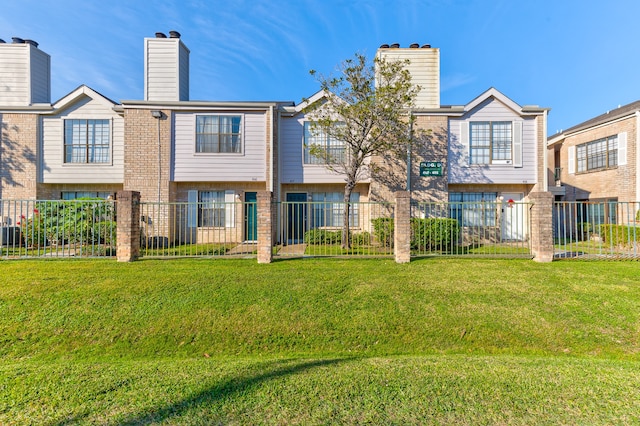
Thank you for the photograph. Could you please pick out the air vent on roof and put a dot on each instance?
(414, 45)
(161, 35)
(426, 46)
(174, 34)
(2, 41)
(384, 46)
(17, 40)
(31, 42)
(395, 45)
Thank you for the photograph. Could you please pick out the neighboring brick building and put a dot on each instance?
(598, 160)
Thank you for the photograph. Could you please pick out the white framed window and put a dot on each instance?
(211, 209)
(87, 141)
(328, 209)
(327, 149)
(490, 142)
(219, 134)
(473, 208)
(598, 154)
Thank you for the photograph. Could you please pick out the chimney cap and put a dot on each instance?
(2, 41)
(426, 46)
(31, 42)
(161, 35)
(17, 40)
(395, 45)
(414, 45)
(384, 46)
(174, 34)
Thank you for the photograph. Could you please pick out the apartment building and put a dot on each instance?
(206, 153)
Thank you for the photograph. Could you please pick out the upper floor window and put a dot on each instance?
(490, 142)
(86, 141)
(218, 134)
(320, 148)
(598, 154)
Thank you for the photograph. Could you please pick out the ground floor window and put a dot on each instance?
(211, 208)
(74, 195)
(597, 212)
(328, 209)
(473, 208)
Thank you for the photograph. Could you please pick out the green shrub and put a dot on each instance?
(322, 237)
(426, 234)
(361, 239)
(619, 235)
(383, 231)
(434, 233)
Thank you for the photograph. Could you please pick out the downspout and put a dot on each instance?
(271, 181)
(410, 137)
(545, 161)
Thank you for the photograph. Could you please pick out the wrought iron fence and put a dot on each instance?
(475, 229)
(202, 229)
(596, 230)
(314, 228)
(57, 228)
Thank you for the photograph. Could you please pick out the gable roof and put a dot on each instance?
(80, 92)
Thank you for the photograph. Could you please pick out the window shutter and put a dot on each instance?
(464, 141)
(572, 160)
(517, 144)
(192, 209)
(229, 209)
(622, 149)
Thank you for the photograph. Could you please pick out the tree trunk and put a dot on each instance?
(346, 240)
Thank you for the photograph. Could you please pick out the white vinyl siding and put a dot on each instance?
(250, 166)
(25, 74)
(54, 169)
(166, 70)
(521, 168)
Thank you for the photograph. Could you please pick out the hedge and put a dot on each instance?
(620, 235)
(426, 234)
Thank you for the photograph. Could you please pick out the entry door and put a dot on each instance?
(296, 217)
(250, 216)
(513, 217)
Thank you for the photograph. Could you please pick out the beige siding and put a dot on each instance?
(492, 110)
(166, 70)
(424, 67)
(54, 170)
(14, 74)
(40, 76)
(248, 166)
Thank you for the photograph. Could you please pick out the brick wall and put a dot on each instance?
(18, 156)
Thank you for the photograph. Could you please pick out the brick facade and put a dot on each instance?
(616, 182)
(19, 155)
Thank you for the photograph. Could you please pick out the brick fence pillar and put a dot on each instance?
(402, 227)
(128, 224)
(265, 227)
(542, 226)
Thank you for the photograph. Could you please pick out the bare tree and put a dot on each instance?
(365, 109)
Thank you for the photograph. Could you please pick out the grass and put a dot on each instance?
(319, 341)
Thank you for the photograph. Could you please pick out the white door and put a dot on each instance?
(514, 217)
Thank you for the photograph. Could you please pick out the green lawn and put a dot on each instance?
(319, 341)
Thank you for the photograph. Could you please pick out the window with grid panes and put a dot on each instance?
(333, 150)
(598, 154)
(218, 134)
(328, 209)
(211, 209)
(87, 141)
(490, 142)
(473, 208)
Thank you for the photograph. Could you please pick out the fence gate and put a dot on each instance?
(606, 230)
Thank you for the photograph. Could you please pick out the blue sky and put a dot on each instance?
(579, 58)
